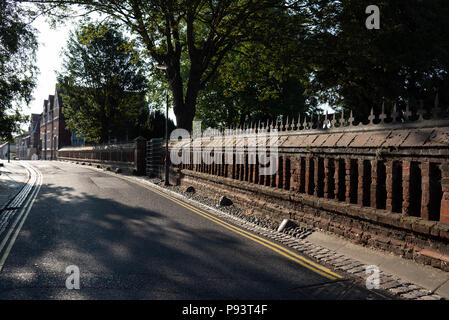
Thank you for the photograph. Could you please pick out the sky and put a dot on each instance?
(51, 43)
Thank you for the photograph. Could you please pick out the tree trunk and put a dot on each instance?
(185, 107)
(184, 119)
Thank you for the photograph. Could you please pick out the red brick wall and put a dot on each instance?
(353, 186)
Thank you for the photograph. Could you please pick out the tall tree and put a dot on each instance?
(356, 68)
(205, 30)
(103, 85)
(263, 79)
(243, 92)
(17, 65)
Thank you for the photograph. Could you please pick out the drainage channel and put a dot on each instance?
(16, 211)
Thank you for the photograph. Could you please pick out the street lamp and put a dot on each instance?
(167, 183)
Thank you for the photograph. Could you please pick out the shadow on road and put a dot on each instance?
(125, 250)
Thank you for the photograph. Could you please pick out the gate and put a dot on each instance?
(154, 158)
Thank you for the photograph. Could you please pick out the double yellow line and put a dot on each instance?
(325, 272)
(21, 216)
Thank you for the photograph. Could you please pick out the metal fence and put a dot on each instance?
(122, 153)
(155, 157)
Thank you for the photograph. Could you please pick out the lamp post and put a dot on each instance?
(166, 182)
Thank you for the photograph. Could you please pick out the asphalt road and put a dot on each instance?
(131, 243)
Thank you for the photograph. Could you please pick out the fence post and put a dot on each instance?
(139, 155)
(444, 206)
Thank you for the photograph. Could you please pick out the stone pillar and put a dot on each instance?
(326, 178)
(280, 174)
(347, 180)
(301, 178)
(444, 210)
(260, 177)
(250, 168)
(360, 191)
(211, 165)
(307, 174)
(373, 187)
(316, 162)
(337, 178)
(406, 166)
(389, 184)
(246, 169)
(140, 154)
(256, 170)
(233, 171)
(268, 180)
(218, 168)
(294, 167)
(222, 166)
(425, 189)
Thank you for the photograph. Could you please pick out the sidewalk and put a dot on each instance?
(13, 177)
(435, 280)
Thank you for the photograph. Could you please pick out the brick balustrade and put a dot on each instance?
(384, 185)
(130, 156)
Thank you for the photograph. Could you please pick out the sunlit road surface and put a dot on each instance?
(129, 242)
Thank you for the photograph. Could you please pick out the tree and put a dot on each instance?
(405, 60)
(102, 84)
(17, 66)
(243, 92)
(156, 125)
(260, 80)
(204, 30)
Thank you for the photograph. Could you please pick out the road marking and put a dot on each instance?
(306, 263)
(273, 246)
(23, 213)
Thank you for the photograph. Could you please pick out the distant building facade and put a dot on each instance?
(28, 143)
(53, 133)
(46, 134)
(23, 147)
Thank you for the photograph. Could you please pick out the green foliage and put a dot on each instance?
(156, 125)
(234, 99)
(260, 79)
(17, 66)
(234, 61)
(103, 85)
(202, 31)
(407, 58)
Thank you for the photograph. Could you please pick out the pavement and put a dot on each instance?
(433, 279)
(13, 177)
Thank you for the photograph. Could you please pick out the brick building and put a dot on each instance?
(53, 133)
(34, 131)
(28, 143)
